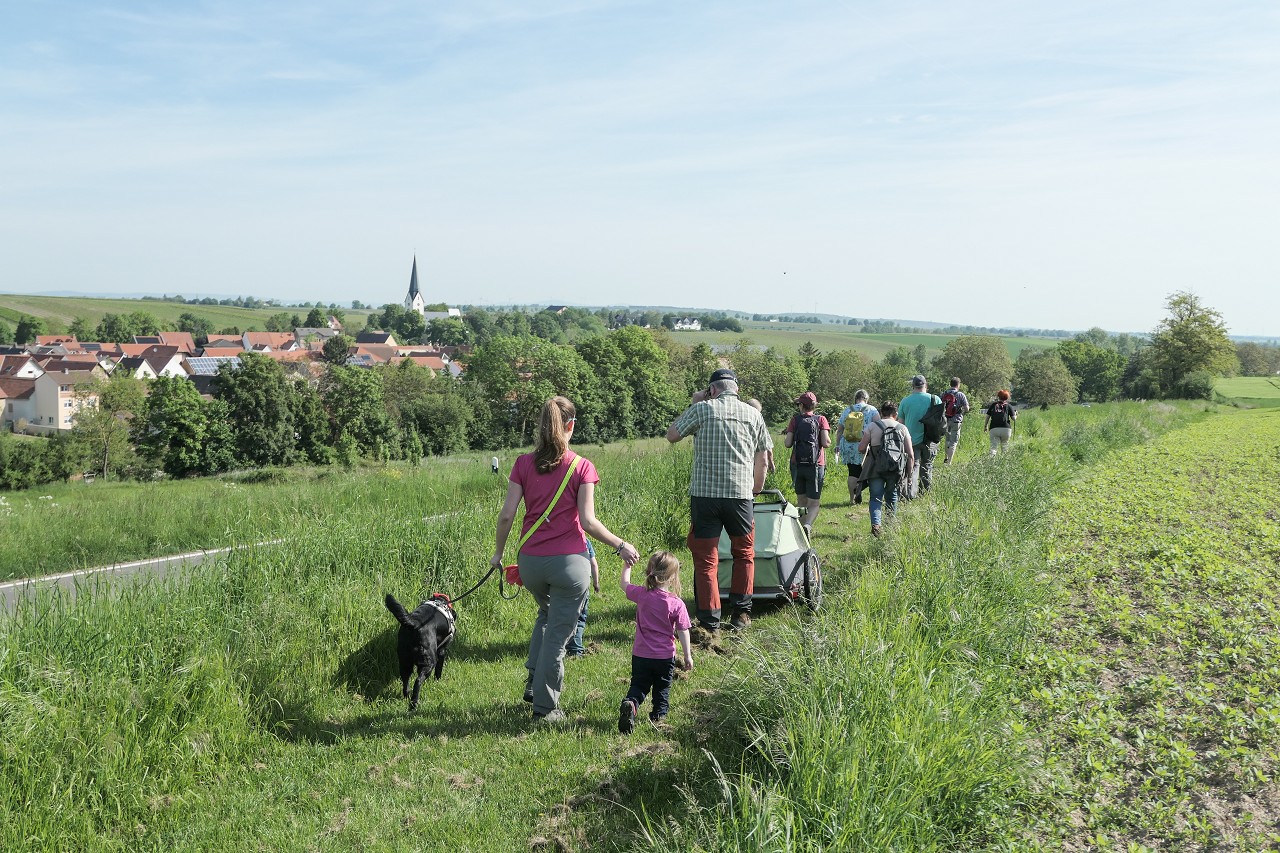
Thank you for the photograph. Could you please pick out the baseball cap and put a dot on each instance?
(918, 381)
(808, 397)
(724, 373)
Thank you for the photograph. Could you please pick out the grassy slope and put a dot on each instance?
(59, 311)
(1156, 696)
(265, 715)
(830, 338)
(1253, 391)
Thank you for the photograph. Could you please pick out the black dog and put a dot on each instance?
(425, 635)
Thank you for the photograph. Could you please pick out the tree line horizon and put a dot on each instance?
(627, 382)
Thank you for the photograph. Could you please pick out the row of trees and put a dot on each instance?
(629, 382)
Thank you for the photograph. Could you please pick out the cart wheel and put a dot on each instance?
(812, 580)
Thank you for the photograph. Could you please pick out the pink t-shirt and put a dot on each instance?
(659, 614)
(562, 532)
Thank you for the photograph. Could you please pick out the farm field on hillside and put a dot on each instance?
(1250, 390)
(830, 338)
(1156, 693)
(59, 312)
(254, 706)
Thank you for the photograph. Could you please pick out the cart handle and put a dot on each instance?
(776, 493)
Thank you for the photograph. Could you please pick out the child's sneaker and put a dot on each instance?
(627, 716)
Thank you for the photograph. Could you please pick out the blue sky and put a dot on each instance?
(992, 163)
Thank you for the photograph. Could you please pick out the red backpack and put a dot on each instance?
(952, 399)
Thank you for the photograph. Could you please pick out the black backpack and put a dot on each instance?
(1002, 414)
(805, 439)
(934, 420)
(891, 455)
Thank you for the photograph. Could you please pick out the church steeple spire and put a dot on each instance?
(414, 300)
(413, 279)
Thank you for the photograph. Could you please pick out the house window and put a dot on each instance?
(64, 388)
(66, 404)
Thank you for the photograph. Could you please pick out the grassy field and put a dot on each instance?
(59, 311)
(829, 337)
(251, 705)
(1155, 695)
(1254, 391)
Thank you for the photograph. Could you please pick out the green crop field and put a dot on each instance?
(1250, 390)
(1052, 650)
(829, 337)
(58, 312)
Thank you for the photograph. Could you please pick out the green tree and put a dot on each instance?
(1256, 359)
(357, 414)
(257, 395)
(28, 329)
(311, 424)
(837, 375)
(198, 327)
(444, 421)
(81, 329)
(1192, 338)
(1097, 370)
(772, 378)
(618, 419)
(656, 399)
(337, 350)
(114, 328)
(144, 323)
(173, 429)
(6, 333)
(104, 421)
(981, 361)
(281, 321)
(316, 319)
(1040, 378)
(809, 355)
(447, 331)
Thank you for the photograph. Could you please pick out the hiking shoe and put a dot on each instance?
(741, 621)
(627, 716)
(555, 715)
(528, 689)
(875, 530)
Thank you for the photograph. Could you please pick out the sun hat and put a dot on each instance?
(807, 398)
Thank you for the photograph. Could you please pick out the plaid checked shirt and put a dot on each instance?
(727, 435)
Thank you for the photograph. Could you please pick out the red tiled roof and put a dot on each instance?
(275, 340)
(16, 389)
(51, 340)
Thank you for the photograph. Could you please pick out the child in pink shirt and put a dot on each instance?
(660, 616)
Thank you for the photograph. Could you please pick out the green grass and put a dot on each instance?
(251, 705)
(1155, 695)
(832, 338)
(64, 526)
(58, 312)
(1250, 391)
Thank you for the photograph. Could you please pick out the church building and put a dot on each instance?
(413, 301)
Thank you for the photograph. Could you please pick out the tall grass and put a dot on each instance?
(250, 703)
(884, 723)
(117, 704)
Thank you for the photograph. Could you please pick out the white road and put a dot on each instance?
(11, 592)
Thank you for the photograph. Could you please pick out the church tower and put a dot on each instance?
(414, 301)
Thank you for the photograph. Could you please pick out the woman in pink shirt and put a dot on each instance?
(553, 560)
(660, 617)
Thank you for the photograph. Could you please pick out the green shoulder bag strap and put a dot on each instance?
(573, 466)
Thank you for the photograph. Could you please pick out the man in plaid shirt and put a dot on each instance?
(730, 442)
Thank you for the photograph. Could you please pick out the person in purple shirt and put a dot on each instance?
(660, 616)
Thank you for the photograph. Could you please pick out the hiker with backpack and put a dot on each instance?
(887, 461)
(853, 421)
(808, 435)
(1000, 416)
(955, 405)
(924, 416)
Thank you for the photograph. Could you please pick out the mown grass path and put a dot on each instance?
(1155, 698)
